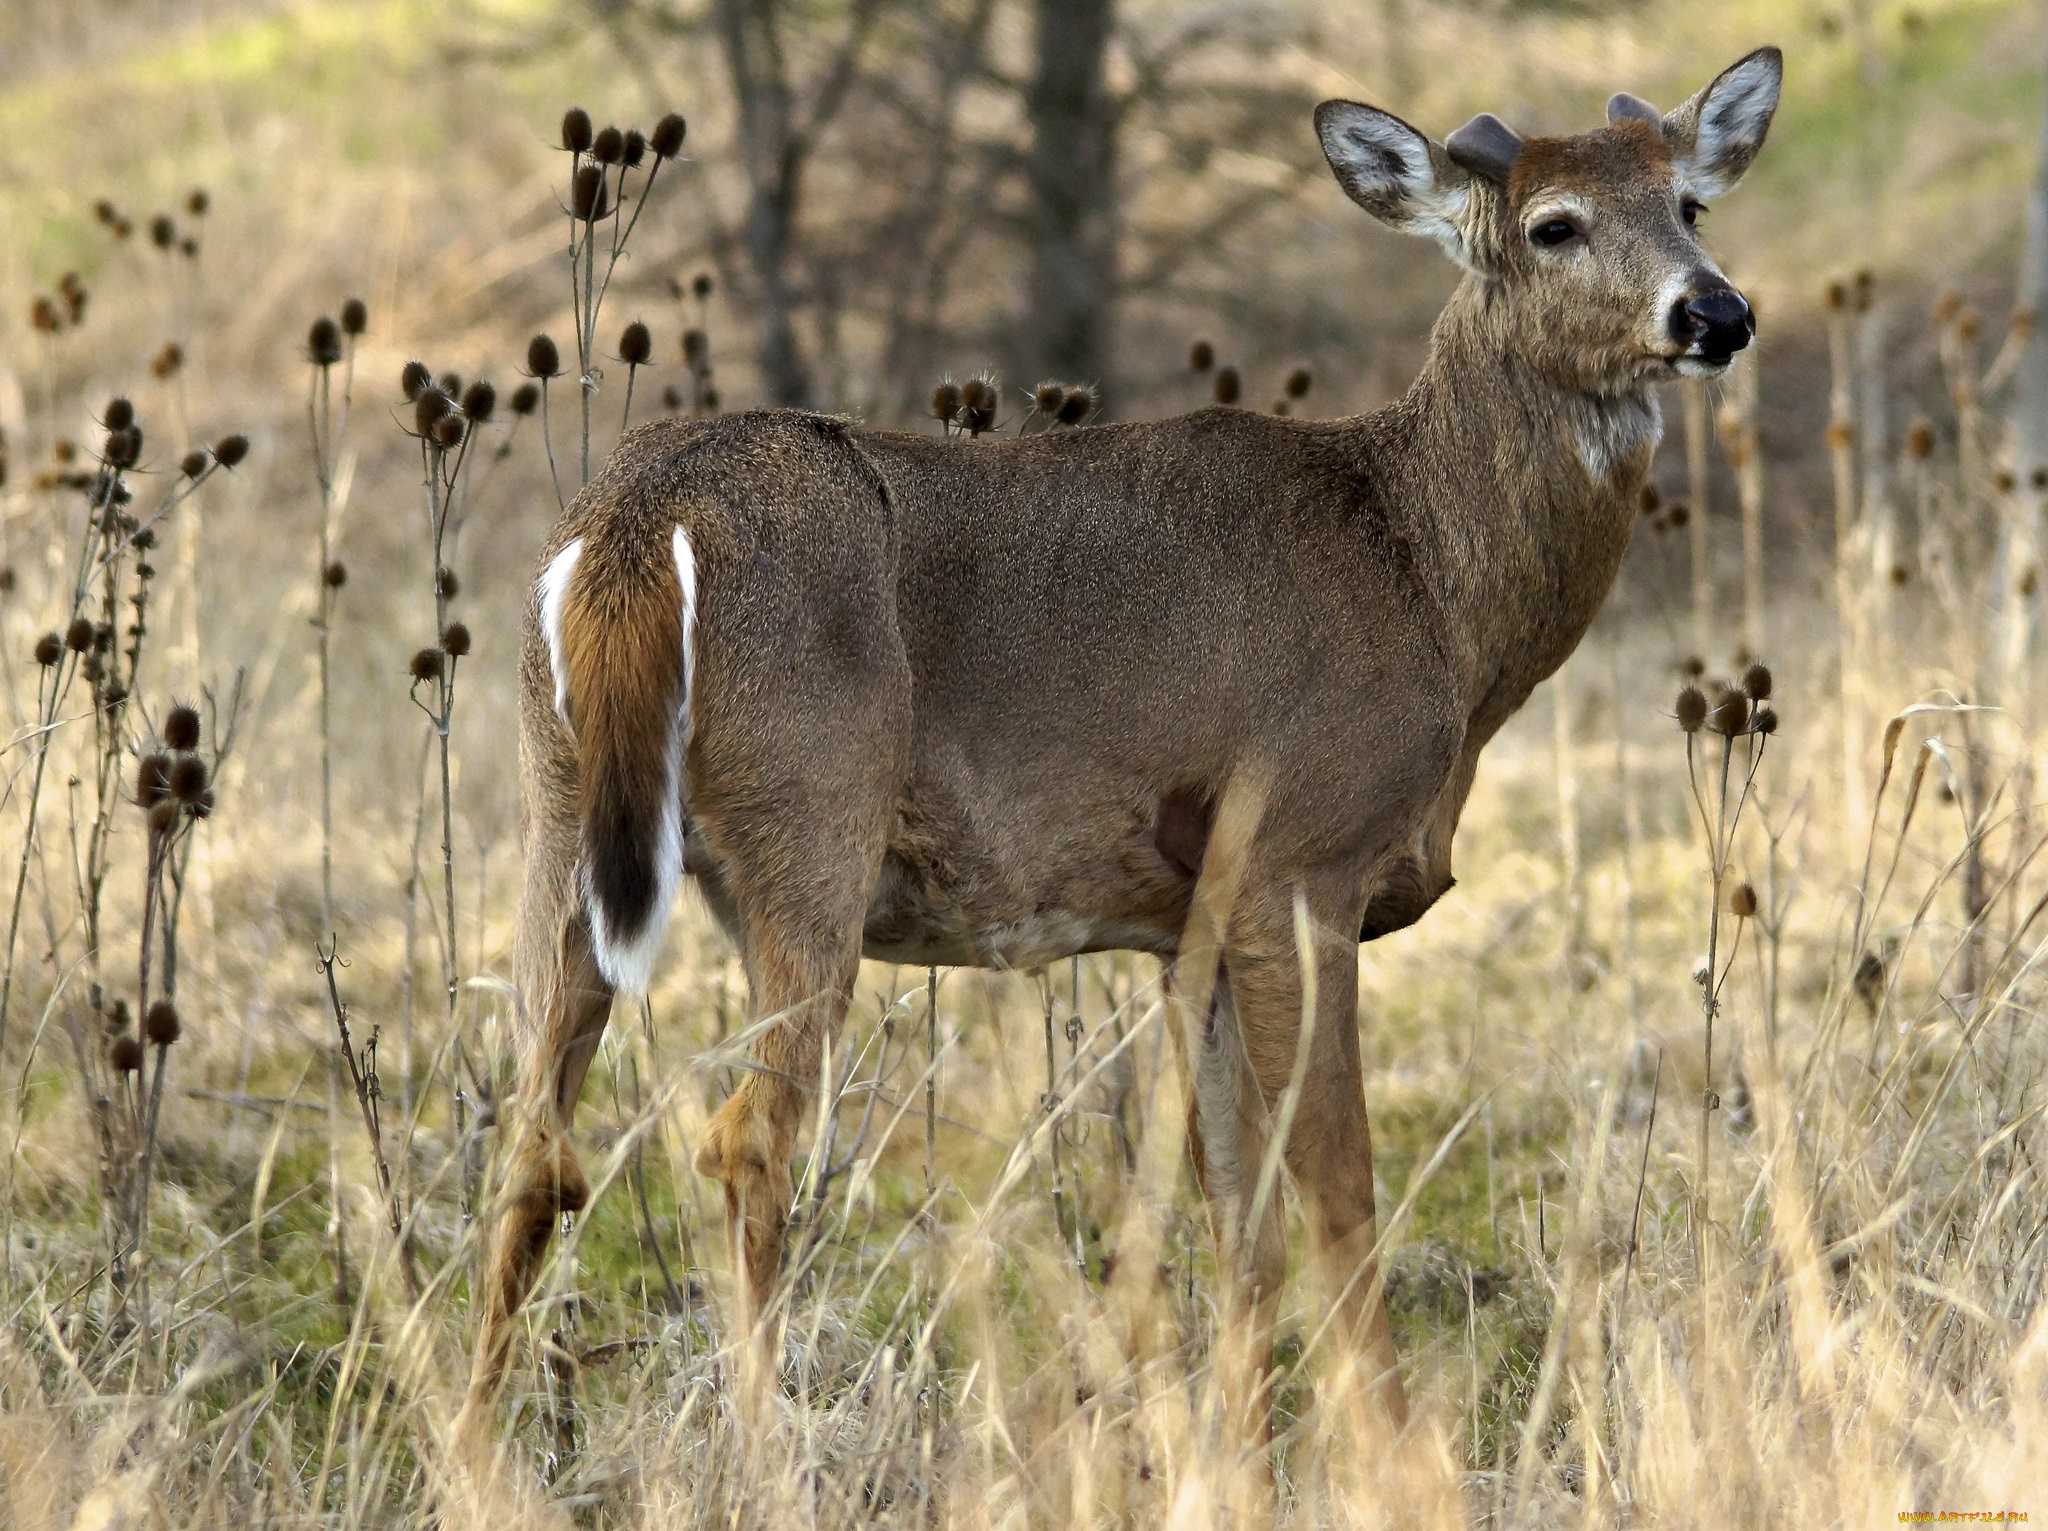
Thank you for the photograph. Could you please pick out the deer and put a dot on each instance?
(882, 694)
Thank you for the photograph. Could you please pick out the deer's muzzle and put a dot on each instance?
(1713, 325)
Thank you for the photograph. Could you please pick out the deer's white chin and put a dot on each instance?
(1700, 367)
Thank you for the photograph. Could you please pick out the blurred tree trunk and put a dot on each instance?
(2028, 422)
(2030, 383)
(1071, 299)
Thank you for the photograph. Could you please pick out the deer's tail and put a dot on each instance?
(620, 622)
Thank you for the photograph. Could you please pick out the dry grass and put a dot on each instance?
(1003, 1319)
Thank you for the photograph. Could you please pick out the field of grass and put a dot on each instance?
(1792, 1277)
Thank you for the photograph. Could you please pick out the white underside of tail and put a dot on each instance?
(628, 965)
(554, 591)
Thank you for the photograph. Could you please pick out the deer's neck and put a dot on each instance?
(1521, 495)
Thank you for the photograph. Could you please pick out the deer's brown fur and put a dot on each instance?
(954, 703)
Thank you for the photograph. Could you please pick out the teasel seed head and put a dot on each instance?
(589, 198)
(429, 409)
(1742, 901)
(667, 138)
(1692, 709)
(576, 130)
(160, 1026)
(1228, 385)
(608, 147)
(153, 779)
(335, 575)
(120, 414)
(323, 342)
(181, 727)
(123, 448)
(197, 202)
(980, 397)
(1298, 382)
(162, 232)
(427, 665)
(449, 431)
(123, 228)
(542, 359)
(1649, 500)
(202, 806)
(49, 649)
(446, 585)
(711, 400)
(1920, 439)
(1077, 406)
(1731, 713)
(1765, 721)
(479, 401)
(6, 579)
(193, 463)
(455, 639)
(671, 398)
(636, 345)
(413, 380)
(1047, 398)
(2004, 481)
(43, 316)
(635, 150)
(525, 398)
(189, 248)
(188, 778)
(1836, 297)
(1756, 682)
(1201, 356)
(78, 636)
(355, 316)
(125, 1055)
(700, 284)
(946, 400)
(450, 383)
(106, 212)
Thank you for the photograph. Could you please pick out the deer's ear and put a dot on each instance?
(1716, 135)
(1396, 174)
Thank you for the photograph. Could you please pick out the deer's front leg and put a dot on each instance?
(1328, 1149)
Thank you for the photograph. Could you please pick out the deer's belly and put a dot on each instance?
(909, 921)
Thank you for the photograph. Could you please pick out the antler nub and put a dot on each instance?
(1621, 104)
(1485, 146)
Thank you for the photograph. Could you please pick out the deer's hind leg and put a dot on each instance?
(564, 1004)
(799, 881)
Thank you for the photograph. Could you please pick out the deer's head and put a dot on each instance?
(1590, 242)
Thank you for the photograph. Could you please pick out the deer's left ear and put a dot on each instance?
(1716, 135)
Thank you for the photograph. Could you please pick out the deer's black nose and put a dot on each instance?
(1715, 324)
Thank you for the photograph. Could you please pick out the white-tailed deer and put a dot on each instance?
(940, 702)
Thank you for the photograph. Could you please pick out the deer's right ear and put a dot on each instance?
(1396, 174)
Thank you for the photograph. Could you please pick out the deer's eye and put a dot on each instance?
(1690, 211)
(1552, 232)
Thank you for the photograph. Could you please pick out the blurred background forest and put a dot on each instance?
(1831, 1317)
